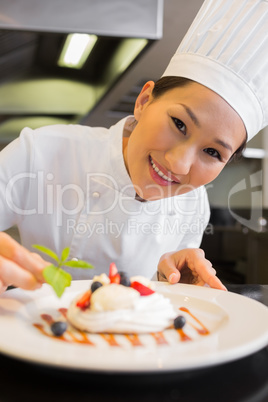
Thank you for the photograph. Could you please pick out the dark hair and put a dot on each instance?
(165, 84)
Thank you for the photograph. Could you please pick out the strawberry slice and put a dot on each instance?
(144, 290)
(114, 276)
(112, 270)
(115, 279)
(84, 300)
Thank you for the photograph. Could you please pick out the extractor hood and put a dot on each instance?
(35, 89)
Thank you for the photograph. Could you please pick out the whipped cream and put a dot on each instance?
(120, 309)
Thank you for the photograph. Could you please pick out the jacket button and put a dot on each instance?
(172, 212)
(96, 194)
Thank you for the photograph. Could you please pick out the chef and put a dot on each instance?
(134, 194)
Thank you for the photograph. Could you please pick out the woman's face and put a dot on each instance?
(182, 140)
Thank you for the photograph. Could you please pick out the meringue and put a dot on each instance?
(116, 308)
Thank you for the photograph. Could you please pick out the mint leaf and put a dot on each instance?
(77, 264)
(47, 251)
(57, 278)
(65, 254)
(54, 275)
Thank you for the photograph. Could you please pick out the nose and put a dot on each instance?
(181, 158)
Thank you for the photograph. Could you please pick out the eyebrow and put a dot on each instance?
(224, 144)
(191, 115)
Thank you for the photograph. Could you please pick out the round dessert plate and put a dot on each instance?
(220, 327)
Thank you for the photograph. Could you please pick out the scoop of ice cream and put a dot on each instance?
(113, 297)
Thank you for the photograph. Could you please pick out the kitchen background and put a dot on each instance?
(135, 42)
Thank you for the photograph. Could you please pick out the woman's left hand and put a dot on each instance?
(188, 266)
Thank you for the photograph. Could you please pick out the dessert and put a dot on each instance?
(118, 304)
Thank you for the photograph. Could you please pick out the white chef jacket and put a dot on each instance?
(67, 186)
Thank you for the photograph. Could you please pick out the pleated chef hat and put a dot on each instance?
(226, 50)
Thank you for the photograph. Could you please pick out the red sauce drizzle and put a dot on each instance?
(159, 338)
(134, 339)
(110, 339)
(184, 337)
(63, 311)
(41, 328)
(85, 339)
(203, 330)
(49, 320)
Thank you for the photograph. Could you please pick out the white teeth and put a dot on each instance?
(158, 171)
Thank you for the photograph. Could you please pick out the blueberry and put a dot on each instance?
(124, 278)
(179, 322)
(58, 327)
(95, 285)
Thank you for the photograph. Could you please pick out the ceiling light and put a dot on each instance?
(76, 50)
(130, 49)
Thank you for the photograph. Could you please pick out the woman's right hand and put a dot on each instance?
(18, 266)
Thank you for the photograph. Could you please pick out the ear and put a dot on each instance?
(143, 99)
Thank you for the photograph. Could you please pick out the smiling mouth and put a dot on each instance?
(160, 173)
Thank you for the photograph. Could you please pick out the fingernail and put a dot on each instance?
(172, 278)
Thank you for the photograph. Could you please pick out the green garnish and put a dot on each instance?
(54, 275)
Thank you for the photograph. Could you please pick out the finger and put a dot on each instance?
(13, 251)
(40, 260)
(161, 277)
(167, 270)
(3, 287)
(214, 282)
(13, 274)
(206, 273)
(202, 268)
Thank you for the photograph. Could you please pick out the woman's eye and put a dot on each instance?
(179, 124)
(212, 152)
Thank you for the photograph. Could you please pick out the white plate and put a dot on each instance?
(237, 327)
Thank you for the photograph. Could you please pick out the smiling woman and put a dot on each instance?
(182, 140)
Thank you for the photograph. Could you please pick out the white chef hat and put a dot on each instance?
(226, 50)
